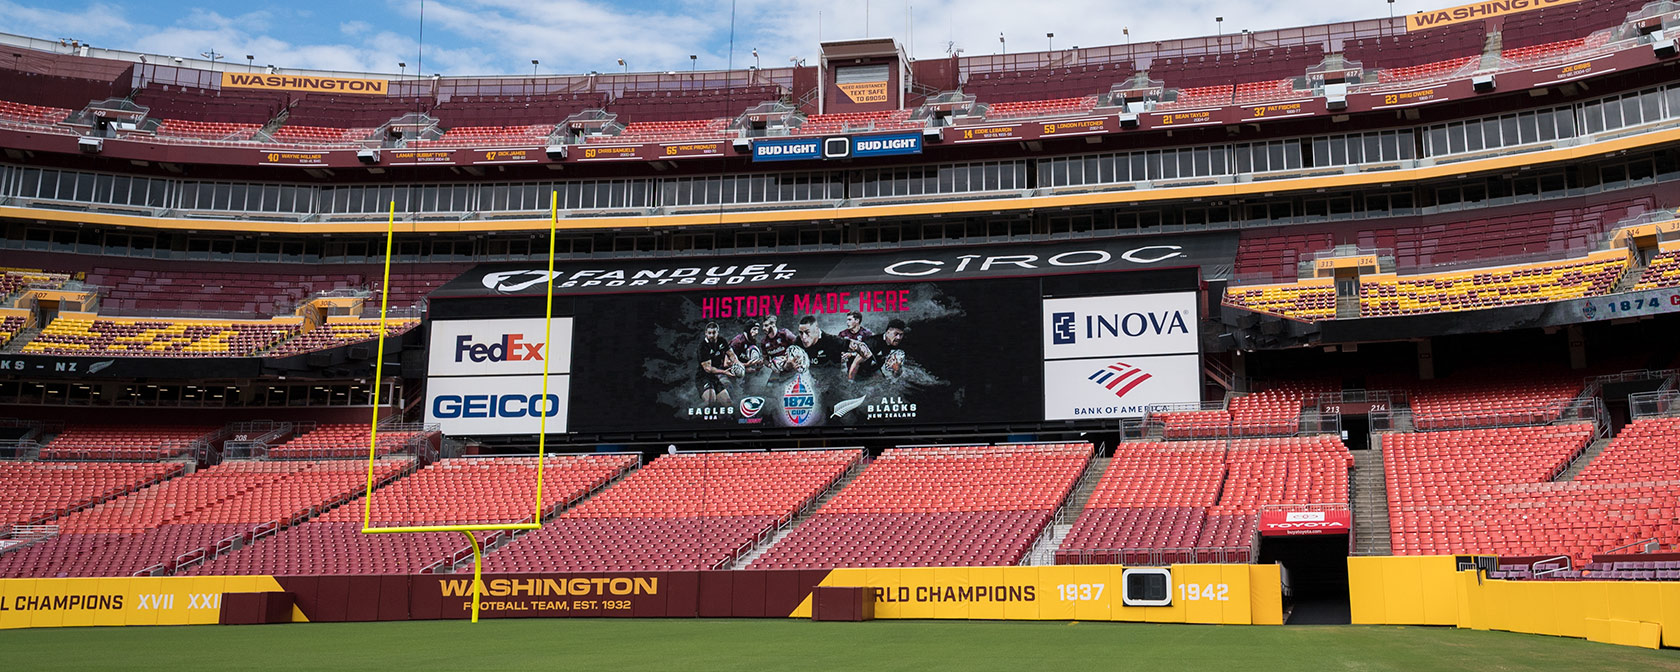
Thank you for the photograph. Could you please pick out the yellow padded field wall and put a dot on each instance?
(164, 600)
(1222, 594)
(1430, 591)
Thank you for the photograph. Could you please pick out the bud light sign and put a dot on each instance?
(787, 150)
(887, 145)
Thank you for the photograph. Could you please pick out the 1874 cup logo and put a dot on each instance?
(799, 402)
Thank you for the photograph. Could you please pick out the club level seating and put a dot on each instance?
(1279, 254)
(123, 442)
(36, 492)
(453, 491)
(1509, 231)
(499, 110)
(1386, 295)
(1560, 22)
(188, 514)
(9, 327)
(15, 280)
(136, 337)
(1199, 501)
(329, 441)
(207, 130)
(841, 122)
(1069, 83)
(1414, 48)
(176, 104)
(681, 512)
(352, 111)
(937, 506)
(1423, 71)
(1255, 92)
(1490, 491)
(1479, 400)
(1228, 69)
(1199, 96)
(31, 114)
(666, 131)
(319, 135)
(1032, 109)
(340, 333)
(1273, 411)
(686, 103)
(1663, 271)
(259, 293)
(1311, 299)
(487, 136)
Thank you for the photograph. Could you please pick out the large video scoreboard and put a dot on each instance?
(1093, 331)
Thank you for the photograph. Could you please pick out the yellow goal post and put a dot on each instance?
(542, 418)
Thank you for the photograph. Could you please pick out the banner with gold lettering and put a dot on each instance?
(1475, 12)
(240, 80)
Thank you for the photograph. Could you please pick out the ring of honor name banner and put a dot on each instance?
(852, 355)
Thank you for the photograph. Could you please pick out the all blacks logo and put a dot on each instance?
(799, 402)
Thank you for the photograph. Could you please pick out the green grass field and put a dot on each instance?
(652, 644)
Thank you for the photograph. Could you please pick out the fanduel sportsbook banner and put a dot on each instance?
(843, 355)
(485, 377)
(758, 272)
(1119, 356)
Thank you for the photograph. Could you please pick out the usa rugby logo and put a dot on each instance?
(1119, 378)
(750, 407)
(799, 403)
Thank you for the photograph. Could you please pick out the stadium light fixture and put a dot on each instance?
(626, 68)
(1002, 45)
(533, 67)
(1050, 40)
(250, 62)
(755, 58)
(693, 62)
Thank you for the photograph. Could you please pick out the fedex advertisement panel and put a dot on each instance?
(1118, 387)
(1137, 324)
(494, 405)
(498, 347)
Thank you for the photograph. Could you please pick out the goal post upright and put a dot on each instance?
(542, 418)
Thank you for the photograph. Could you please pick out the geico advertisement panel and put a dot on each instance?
(496, 404)
(1118, 387)
(1137, 324)
(498, 347)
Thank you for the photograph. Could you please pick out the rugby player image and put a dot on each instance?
(745, 347)
(880, 353)
(823, 349)
(781, 348)
(718, 368)
(854, 332)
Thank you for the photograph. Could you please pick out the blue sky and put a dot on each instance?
(467, 37)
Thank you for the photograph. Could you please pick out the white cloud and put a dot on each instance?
(465, 37)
